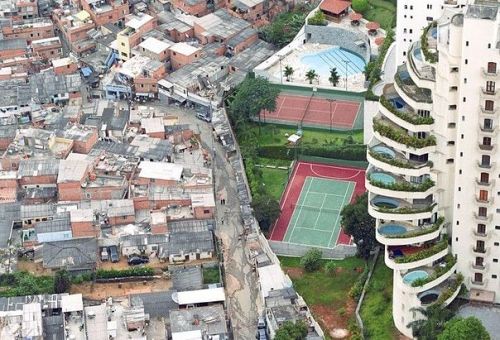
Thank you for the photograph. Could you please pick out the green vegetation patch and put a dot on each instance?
(211, 275)
(376, 310)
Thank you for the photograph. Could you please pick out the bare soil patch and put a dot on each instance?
(99, 291)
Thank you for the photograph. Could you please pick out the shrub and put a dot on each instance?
(431, 57)
(410, 118)
(404, 186)
(433, 228)
(402, 137)
(357, 288)
(330, 268)
(424, 253)
(318, 19)
(360, 6)
(129, 272)
(311, 261)
(353, 152)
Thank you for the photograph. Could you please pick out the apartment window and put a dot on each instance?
(404, 30)
(485, 160)
(482, 211)
(497, 227)
(493, 276)
(483, 195)
(454, 70)
(485, 177)
(430, 18)
(466, 43)
(487, 141)
(411, 7)
(451, 125)
(123, 44)
(492, 67)
(495, 260)
(466, 61)
(449, 161)
(453, 89)
(462, 136)
(496, 244)
(481, 229)
(458, 206)
(460, 171)
(489, 45)
(489, 105)
(451, 142)
(488, 124)
(461, 154)
(464, 99)
(479, 261)
(411, 30)
(465, 80)
(452, 107)
(490, 86)
(480, 245)
(406, 6)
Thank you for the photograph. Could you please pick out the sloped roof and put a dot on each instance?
(78, 253)
(335, 6)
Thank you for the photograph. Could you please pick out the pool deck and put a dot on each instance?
(355, 82)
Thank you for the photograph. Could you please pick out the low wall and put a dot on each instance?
(340, 252)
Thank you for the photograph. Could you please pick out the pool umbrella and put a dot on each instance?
(379, 41)
(373, 26)
(356, 16)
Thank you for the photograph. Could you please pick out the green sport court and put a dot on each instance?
(316, 216)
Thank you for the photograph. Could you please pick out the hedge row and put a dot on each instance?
(354, 152)
(130, 272)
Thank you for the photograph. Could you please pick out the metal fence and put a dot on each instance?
(339, 252)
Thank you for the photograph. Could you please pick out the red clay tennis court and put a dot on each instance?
(292, 202)
(313, 111)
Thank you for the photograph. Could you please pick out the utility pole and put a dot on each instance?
(346, 63)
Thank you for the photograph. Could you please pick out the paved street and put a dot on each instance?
(241, 282)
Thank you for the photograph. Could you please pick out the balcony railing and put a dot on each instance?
(399, 162)
(485, 165)
(408, 86)
(400, 136)
(490, 74)
(478, 283)
(401, 184)
(479, 250)
(424, 253)
(480, 234)
(406, 115)
(484, 110)
(438, 271)
(419, 232)
(431, 57)
(486, 147)
(489, 92)
(478, 266)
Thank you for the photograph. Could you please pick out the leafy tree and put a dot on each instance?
(464, 329)
(291, 331)
(360, 225)
(266, 210)
(311, 261)
(318, 19)
(433, 322)
(334, 77)
(62, 282)
(360, 5)
(252, 96)
(330, 268)
(311, 75)
(285, 27)
(288, 72)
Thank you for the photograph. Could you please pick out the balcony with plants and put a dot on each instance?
(400, 112)
(396, 137)
(444, 293)
(410, 256)
(422, 72)
(386, 158)
(390, 208)
(416, 96)
(423, 278)
(428, 43)
(394, 233)
(388, 184)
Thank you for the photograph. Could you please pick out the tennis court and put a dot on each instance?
(313, 111)
(316, 216)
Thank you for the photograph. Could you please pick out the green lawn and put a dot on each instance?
(318, 288)
(376, 310)
(275, 181)
(383, 12)
(211, 275)
(276, 135)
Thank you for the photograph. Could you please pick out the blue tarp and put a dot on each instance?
(86, 71)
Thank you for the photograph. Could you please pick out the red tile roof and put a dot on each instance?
(335, 6)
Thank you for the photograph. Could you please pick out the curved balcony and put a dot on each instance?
(395, 137)
(444, 293)
(403, 233)
(384, 157)
(486, 166)
(394, 108)
(490, 75)
(424, 278)
(417, 97)
(388, 184)
(388, 208)
(408, 257)
(428, 43)
(422, 73)
(486, 112)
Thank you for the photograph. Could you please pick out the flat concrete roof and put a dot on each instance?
(154, 45)
(184, 48)
(161, 170)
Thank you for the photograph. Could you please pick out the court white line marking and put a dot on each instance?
(337, 219)
(300, 210)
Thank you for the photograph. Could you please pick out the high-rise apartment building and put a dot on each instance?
(434, 173)
(413, 16)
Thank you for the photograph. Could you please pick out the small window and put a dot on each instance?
(465, 80)
(496, 244)
(459, 188)
(206, 211)
(466, 61)
(451, 142)
(497, 227)
(450, 161)
(466, 43)
(493, 276)
(495, 260)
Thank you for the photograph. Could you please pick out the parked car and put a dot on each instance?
(261, 324)
(204, 116)
(113, 254)
(136, 260)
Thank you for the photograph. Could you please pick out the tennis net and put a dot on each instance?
(312, 208)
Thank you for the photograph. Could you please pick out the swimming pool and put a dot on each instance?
(385, 202)
(384, 151)
(411, 277)
(382, 177)
(417, 52)
(426, 298)
(392, 229)
(336, 57)
(398, 102)
(434, 32)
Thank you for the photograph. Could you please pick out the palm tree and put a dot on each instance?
(311, 75)
(288, 72)
(334, 77)
(435, 317)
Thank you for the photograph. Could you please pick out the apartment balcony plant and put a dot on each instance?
(401, 136)
(402, 185)
(407, 115)
(438, 271)
(449, 293)
(413, 234)
(430, 56)
(422, 73)
(422, 231)
(398, 163)
(424, 253)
